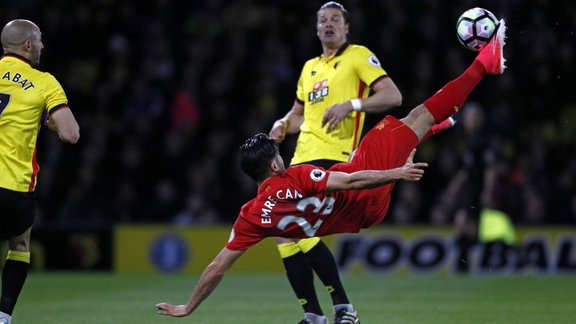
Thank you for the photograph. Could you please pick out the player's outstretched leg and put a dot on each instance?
(491, 55)
(448, 100)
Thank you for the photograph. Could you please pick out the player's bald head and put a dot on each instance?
(17, 31)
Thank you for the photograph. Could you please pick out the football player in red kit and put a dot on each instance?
(305, 201)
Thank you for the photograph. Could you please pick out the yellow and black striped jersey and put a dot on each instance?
(326, 81)
(25, 93)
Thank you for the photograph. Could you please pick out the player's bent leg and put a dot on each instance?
(440, 127)
(420, 120)
(300, 275)
(324, 264)
(14, 273)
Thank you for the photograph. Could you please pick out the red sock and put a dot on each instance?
(448, 100)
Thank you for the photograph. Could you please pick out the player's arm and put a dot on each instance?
(366, 179)
(288, 124)
(385, 96)
(208, 281)
(62, 121)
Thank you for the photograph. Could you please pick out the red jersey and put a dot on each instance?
(296, 205)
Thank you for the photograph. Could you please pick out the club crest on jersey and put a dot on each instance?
(373, 60)
(317, 175)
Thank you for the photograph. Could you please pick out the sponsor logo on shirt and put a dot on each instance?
(319, 91)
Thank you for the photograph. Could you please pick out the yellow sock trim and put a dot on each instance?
(18, 256)
(287, 249)
(306, 245)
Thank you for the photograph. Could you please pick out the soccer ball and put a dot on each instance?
(475, 27)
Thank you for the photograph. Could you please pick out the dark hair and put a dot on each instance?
(256, 154)
(336, 5)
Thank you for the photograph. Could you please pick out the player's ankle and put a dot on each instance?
(315, 318)
(347, 307)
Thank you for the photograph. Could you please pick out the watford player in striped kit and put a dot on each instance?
(25, 94)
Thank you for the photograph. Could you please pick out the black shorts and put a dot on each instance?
(17, 211)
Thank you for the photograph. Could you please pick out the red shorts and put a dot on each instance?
(386, 146)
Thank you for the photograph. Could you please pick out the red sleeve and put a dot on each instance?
(243, 235)
(310, 178)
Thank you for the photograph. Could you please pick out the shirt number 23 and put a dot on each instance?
(321, 207)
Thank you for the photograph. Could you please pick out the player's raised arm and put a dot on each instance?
(208, 281)
(366, 179)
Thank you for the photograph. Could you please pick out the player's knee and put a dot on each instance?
(20, 246)
(20, 243)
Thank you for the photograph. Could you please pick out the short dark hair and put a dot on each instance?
(256, 154)
(336, 5)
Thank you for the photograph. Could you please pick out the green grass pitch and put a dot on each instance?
(72, 298)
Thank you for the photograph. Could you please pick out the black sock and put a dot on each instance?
(13, 277)
(301, 279)
(324, 265)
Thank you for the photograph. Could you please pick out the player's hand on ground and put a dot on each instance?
(335, 115)
(413, 171)
(278, 131)
(172, 310)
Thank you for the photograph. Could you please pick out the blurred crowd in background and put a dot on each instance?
(165, 91)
